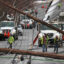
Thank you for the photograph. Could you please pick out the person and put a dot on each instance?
(56, 40)
(10, 41)
(43, 43)
(59, 5)
(47, 41)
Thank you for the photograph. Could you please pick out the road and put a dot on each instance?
(24, 43)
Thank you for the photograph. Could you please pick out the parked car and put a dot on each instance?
(27, 23)
(20, 30)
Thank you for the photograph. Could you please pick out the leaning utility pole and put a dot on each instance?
(34, 18)
(24, 52)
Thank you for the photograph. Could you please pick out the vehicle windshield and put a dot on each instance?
(44, 27)
(7, 24)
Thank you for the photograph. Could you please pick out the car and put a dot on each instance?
(27, 23)
(20, 30)
(7, 28)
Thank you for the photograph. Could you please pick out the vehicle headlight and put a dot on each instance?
(13, 31)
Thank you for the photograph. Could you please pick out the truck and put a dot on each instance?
(52, 11)
(43, 29)
(61, 22)
(7, 28)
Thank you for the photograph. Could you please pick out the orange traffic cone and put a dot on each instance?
(8, 33)
(5, 33)
(45, 6)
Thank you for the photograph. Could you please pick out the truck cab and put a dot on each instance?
(7, 28)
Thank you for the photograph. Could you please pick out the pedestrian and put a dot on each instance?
(10, 41)
(56, 40)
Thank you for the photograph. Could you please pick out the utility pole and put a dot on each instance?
(16, 19)
(34, 18)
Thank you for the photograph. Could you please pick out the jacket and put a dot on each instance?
(11, 39)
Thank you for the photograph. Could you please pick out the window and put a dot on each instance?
(7, 24)
(44, 27)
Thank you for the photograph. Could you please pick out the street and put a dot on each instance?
(23, 43)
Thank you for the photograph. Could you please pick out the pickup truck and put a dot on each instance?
(7, 28)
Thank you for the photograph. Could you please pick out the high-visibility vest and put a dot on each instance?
(47, 39)
(11, 39)
(44, 40)
(41, 40)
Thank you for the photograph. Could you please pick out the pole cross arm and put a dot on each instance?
(34, 18)
(24, 52)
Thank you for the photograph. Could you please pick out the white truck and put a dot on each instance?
(50, 32)
(7, 28)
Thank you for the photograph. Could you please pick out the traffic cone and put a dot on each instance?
(8, 33)
(27, 25)
(45, 6)
(5, 33)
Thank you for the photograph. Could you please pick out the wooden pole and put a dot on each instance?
(24, 52)
(34, 18)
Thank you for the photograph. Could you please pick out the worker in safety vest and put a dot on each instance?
(10, 41)
(56, 40)
(44, 42)
(47, 41)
